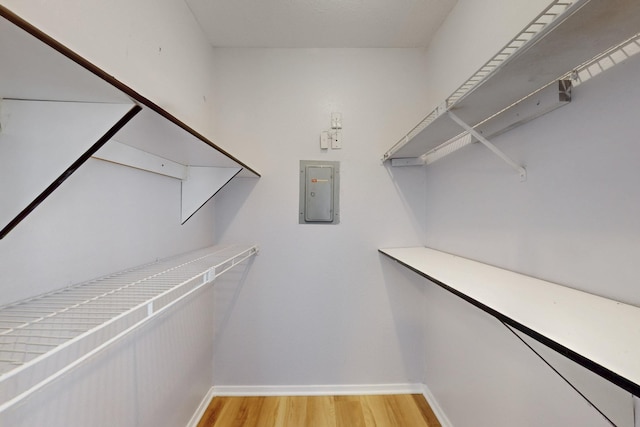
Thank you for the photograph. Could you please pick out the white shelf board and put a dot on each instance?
(47, 335)
(590, 28)
(36, 67)
(30, 69)
(600, 334)
(151, 132)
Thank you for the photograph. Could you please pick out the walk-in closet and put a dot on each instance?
(319, 213)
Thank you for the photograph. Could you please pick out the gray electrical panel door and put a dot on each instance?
(319, 192)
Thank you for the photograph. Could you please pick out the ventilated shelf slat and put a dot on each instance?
(45, 335)
(562, 39)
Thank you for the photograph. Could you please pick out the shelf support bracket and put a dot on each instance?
(519, 169)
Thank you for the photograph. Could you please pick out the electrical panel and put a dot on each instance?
(319, 192)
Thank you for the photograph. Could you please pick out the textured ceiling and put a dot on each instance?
(320, 23)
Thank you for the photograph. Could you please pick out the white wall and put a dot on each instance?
(473, 32)
(317, 308)
(33, 157)
(154, 46)
(319, 305)
(574, 221)
(107, 217)
(104, 218)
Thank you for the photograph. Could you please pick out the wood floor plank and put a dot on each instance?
(347, 398)
(272, 413)
(251, 408)
(320, 411)
(375, 412)
(426, 411)
(348, 413)
(296, 411)
(392, 410)
(406, 412)
(212, 413)
(231, 413)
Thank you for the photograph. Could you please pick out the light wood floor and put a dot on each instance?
(406, 410)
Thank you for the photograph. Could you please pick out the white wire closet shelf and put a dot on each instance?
(42, 337)
(565, 36)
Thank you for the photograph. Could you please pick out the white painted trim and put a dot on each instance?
(123, 154)
(437, 409)
(202, 408)
(318, 390)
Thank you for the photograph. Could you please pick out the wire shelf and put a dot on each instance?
(537, 28)
(528, 35)
(42, 336)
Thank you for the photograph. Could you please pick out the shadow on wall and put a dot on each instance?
(407, 292)
(229, 202)
(410, 183)
(227, 289)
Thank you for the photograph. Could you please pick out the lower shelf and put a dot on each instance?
(598, 333)
(43, 337)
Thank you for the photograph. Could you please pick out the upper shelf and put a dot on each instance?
(561, 318)
(36, 73)
(36, 67)
(565, 36)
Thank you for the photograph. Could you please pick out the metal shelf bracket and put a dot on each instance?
(522, 172)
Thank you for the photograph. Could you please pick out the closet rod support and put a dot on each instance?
(519, 169)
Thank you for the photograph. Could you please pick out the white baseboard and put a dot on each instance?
(320, 390)
(437, 410)
(317, 390)
(204, 404)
